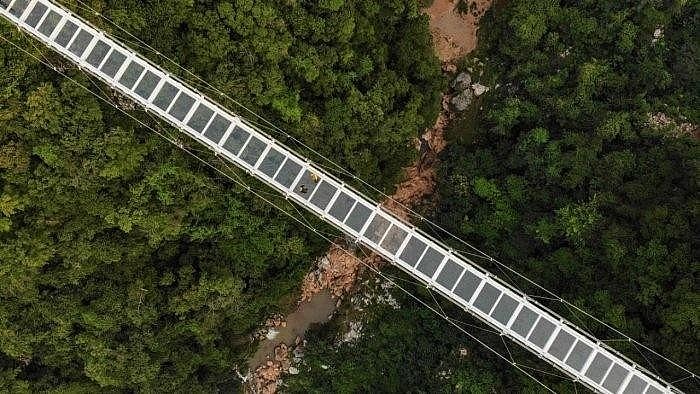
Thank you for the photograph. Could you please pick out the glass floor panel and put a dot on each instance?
(288, 173)
(323, 195)
(341, 207)
(80, 44)
(217, 128)
(430, 262)
(449, 274)
(272, 161)
(358, 217)
(393, 239)
(67, 32)
(113, 63)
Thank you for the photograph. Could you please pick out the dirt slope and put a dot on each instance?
(454, 33)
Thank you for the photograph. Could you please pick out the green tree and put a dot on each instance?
(127, 266)
(605, 205)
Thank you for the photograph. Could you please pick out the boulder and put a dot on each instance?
(272, 334)
(462, 81)
(463, 100)
(658, 34)
(479, 89)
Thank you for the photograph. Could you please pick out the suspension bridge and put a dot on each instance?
(506, 309)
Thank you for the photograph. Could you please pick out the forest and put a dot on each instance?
(566, 178)
(128, 266)
(569, 175)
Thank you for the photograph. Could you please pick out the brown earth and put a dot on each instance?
(454, 36)
(454, 33)
(420, 177)
(336, 272)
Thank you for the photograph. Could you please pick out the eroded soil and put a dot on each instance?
(454, 32)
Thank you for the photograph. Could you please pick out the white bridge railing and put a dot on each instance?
(457, 278)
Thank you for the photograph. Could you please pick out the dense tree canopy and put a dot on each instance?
(566, 181)
(354, 80)
(125, 264)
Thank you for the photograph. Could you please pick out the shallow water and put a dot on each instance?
(317, 310)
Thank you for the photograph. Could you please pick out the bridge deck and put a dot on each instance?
(457, 278)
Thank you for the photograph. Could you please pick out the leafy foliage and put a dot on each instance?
(568, 179)
(123, 263)
(569, 184)
(353, 80)
(400, 346)
(127, 266)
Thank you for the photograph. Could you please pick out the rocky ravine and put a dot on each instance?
(454, 36)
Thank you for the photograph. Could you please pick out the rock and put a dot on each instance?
(293, 370)
(324, 366)
(324, 263)
(281, 352)
(479, 89)
(298, 353)
(658, 34)
(354, 332)
(671, 127)
(462, 100)
(462, 82)
(272, 334)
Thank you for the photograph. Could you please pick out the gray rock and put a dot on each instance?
(462, 81)
(298, 353)
(293, 370)
(479, 89)
(462, 100)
